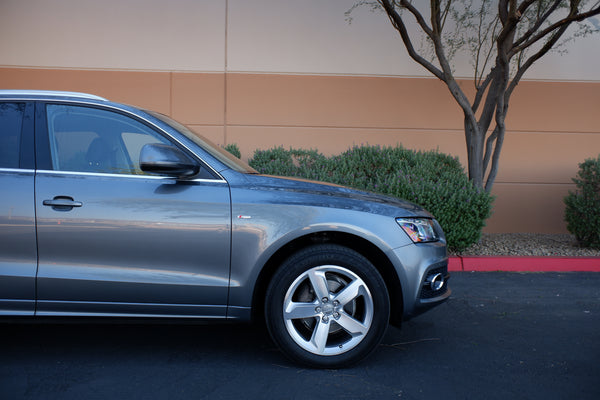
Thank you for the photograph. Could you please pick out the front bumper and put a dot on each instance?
(434, 289)
(423, 273)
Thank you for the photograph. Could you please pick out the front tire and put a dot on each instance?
(327, 307)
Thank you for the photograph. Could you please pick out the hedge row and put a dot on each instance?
(434, 180)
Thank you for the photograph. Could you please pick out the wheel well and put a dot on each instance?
(362, 246)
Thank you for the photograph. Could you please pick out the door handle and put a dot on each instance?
(62, 203)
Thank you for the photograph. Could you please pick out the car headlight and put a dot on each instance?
(419, 230)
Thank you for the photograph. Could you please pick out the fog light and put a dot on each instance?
(436, 281)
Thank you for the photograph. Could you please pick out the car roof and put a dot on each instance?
(49, 94)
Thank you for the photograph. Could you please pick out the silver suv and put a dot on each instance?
(112, 211)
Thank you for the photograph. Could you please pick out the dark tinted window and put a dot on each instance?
(11, 123)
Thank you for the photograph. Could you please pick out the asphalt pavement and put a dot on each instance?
(500, 336)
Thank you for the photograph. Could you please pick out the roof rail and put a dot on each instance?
(50, 93)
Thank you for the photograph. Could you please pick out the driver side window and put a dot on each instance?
(86, 139)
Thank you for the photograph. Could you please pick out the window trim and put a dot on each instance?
(127, 176)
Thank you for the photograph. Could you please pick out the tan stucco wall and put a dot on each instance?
(253, 36)
(552, 126)
(263, 73)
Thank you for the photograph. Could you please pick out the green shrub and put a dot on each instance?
(432, 179)
(583, 206)
(294, 162)
(233, 149)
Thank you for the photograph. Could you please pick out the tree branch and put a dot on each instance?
(545, 49)
(572, 17)
(446, 13)
(489, 52)
(539, 22)
(495, 160)
(509, 18)
(420, 20)
(526, 4)
(503, 11)
(488, 147)
(480, 91)
(436, 37)
(398, 23)
(495, 92)
(499, 130)
(445, 74)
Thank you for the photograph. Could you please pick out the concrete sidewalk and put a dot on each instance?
(524, 264)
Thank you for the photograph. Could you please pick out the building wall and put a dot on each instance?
(265, 73)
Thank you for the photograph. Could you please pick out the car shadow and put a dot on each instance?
(119, 341)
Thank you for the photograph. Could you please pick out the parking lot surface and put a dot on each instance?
(500, 336)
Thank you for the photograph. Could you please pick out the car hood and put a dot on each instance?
(285, 190)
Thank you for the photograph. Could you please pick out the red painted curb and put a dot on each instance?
(524, 264)
(455, 264)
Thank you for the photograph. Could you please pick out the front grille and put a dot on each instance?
(426, 291)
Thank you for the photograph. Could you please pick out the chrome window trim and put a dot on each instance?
(50, 93)
(108, 175)
(20, 170)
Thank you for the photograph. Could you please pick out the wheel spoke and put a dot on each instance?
(295, 310)
(319, 336)
(318, 281)
(327, 301)
(352, 325)
(350, 292)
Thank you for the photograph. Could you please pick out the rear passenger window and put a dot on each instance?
(11, 123)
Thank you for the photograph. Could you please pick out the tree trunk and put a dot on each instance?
(474, 140)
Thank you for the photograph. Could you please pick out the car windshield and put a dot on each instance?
(215, 150)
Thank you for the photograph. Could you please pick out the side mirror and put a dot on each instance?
(158, 158)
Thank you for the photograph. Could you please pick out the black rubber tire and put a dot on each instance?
(347, 260)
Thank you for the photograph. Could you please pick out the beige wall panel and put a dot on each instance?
(181, 35)
(314, 36)
(528, 208)
(143, 89)
(282, 36)
(198, 98)
(545, 157)
(555, 107)
(331, 141)
(340, 101)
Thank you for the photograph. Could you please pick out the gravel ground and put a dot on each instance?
(528, 244)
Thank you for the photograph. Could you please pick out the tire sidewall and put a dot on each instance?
(320, 255)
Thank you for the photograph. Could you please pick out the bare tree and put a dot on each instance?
(504, 38)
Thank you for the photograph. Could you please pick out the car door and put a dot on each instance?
(18, 254)
(113, 240)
